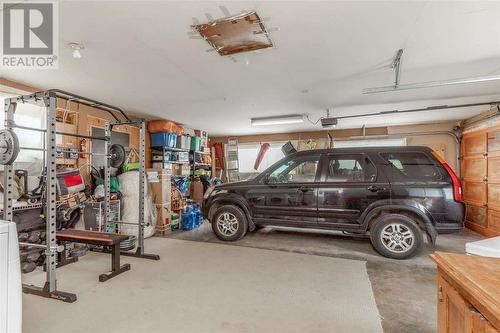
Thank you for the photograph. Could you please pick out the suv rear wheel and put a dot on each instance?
(396, 236)
(229, 223)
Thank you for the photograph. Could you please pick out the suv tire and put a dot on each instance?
(229, 223)
(396, 236)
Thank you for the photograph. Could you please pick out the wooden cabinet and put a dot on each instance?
(468, 293)
(481, 180)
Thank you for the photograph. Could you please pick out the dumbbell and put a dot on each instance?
(27, 267)
(33, 257)
(41, 260)
(23, 236)
(34, 237)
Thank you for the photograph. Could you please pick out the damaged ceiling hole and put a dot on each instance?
(235, 34)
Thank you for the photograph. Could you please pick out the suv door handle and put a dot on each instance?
(375, 188)
(305, 189)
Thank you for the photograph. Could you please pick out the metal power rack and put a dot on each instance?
(48, 99)
(141, 124)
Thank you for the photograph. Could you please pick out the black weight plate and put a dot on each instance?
(117, 155)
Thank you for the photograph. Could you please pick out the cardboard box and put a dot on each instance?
(156, 174)
(163, 215)
(160, 184)
(161, 192)
(196, 189)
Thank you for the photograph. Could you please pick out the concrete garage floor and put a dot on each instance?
(405, 290)
(206, 287)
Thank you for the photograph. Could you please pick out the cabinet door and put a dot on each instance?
(480, 324)
(454, 313)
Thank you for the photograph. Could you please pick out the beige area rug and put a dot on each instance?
(204, 287)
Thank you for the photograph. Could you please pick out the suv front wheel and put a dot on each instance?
(396, 236)
(229, 223)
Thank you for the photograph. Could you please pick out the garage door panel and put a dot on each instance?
(476, 215)
(474, 144)
(474, 169)
(494, 220)
(475, 193)
(494, 196)
(494, 141)
(494, 169)
(481, 179)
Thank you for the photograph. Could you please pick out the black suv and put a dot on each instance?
(394, 194)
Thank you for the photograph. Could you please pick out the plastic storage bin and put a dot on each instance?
(172, 140)
(183, 142)
(188, 222)
(159, 139)
(195, 143)
(163, 139)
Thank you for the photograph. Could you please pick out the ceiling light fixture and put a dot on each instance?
(76, 47)
(281, 120)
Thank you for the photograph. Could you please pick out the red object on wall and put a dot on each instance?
(73, 180)
(83, 147)
(219, 154)
(260, 156)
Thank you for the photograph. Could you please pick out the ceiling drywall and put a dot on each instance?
(138, 56)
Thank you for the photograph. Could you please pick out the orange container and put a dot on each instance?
(160, 125)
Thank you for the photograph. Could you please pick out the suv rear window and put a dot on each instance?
(412, 166)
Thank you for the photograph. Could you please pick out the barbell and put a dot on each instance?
(9, 149)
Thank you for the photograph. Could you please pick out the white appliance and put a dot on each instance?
(10, 280)
(489, 247)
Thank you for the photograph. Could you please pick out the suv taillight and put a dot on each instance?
(457, 185)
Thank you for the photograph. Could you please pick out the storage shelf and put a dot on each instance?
(202, 165)
(171, 162)
(200, 152)
(170, 148)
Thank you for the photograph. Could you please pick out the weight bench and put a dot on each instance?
(106, 239)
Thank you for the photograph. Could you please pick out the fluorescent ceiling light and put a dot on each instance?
(291, 119)
(431, 84)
